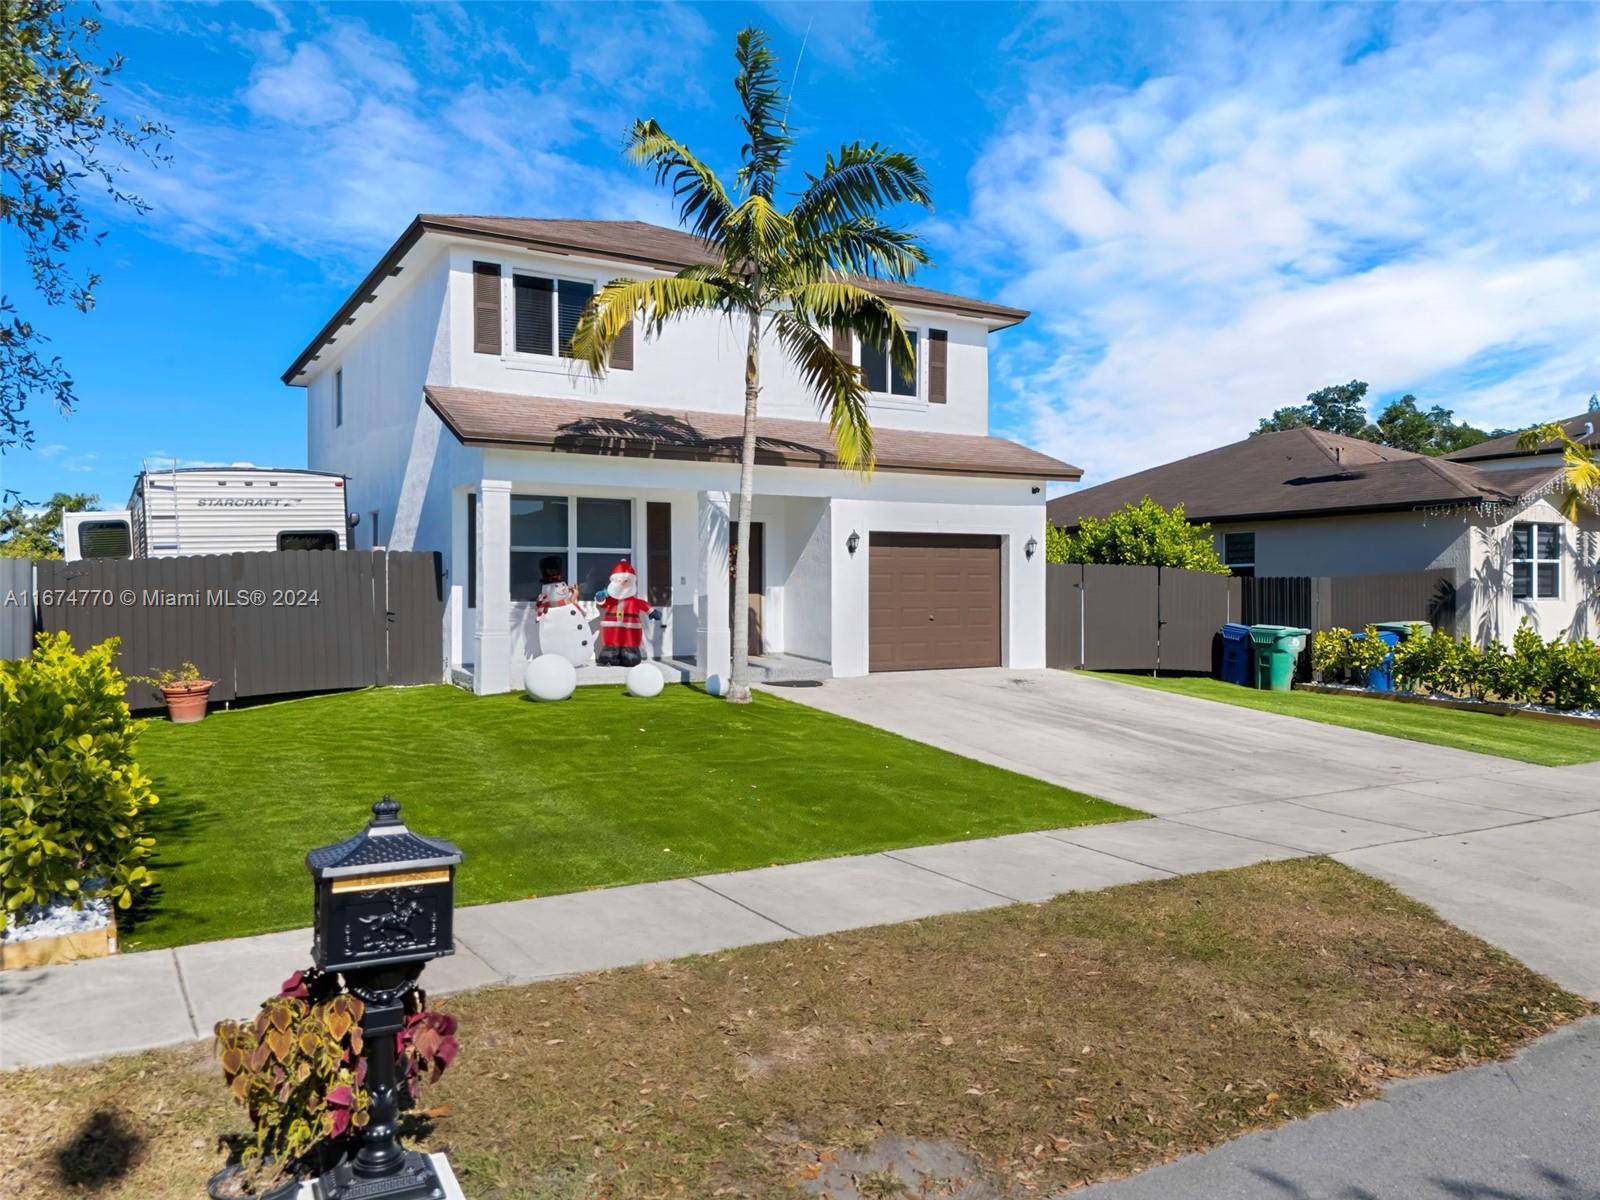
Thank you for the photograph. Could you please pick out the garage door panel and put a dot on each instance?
(933, 601)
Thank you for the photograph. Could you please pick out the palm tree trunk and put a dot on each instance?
(739, 685)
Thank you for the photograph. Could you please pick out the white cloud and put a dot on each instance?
(1294, 202)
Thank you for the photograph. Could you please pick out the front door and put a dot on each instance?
(758, 583)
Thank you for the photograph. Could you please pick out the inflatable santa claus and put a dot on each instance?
(622, 616)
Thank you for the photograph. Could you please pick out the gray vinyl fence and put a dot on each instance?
(18, 618)
(1120, 618)
(260, 624)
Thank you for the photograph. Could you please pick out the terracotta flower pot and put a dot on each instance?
(186, 702)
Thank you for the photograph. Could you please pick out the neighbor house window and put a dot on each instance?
(308, 539)
(338, 397)
(1239, 553)
(546, 313)
(876, 370)
(581, 536)
(1535, 562)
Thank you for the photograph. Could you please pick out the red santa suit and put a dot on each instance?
(622, 616)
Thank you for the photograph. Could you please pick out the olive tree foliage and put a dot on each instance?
(1142, 534)
(57, 142)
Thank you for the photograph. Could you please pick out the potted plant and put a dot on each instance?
(184, 690)
(298, 1069)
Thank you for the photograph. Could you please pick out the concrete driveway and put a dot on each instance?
(1503, 849)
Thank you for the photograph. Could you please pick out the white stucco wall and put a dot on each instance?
(698, 363)
(1575, 613)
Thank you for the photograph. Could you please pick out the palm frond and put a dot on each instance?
(867, 247)
(1540, 435)
(653, 302)
(840, 304)
(757, 233)
(703, 203)
(859, 182)
(767, 142)
(836, 385)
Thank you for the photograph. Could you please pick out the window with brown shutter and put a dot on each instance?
(622, 349)
(841, 343)
(486, 308)
(938, 366)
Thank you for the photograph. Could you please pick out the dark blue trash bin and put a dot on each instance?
(1236, 655)
(1381, 678)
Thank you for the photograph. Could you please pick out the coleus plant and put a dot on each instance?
(298, 1067)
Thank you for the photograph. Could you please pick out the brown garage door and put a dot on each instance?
(934, 601)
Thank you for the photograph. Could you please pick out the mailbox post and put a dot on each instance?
(384, 903)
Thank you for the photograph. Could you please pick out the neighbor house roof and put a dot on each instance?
(480, 418)
(1299, 473)
(622, 241)
(1582, 428)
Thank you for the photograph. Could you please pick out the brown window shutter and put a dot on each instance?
(658, 552)
(622, 349)
(938, 366)
(841, 343)
(486, 308)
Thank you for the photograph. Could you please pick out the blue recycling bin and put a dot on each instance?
(1236, 655)
(1381, 677)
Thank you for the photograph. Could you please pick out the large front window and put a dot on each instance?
(1535, 562)
(581, 537)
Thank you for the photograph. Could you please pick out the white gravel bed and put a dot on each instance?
(54, 920)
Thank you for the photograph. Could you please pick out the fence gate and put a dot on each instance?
(260, 624)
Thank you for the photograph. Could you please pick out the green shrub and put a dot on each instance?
(1526, 677)
(1573, 675)
(72, 796)
(1429, 662)
(1367, 652)
(1142, 534)
(1330, 653)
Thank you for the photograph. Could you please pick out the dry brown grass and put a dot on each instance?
(1006, 1052)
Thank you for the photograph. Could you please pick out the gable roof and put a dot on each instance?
(623, 241)
(1299, 473)
(480, 418)
(1585, 428)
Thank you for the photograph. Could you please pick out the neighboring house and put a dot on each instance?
(441, 388)
(1502, 454)
(1304, 502)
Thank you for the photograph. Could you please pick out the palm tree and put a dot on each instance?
(1582, 471)
(785, 273)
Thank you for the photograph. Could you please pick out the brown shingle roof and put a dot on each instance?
(1585, 427)
(480, 418)
(1297, 473)
(624, 241)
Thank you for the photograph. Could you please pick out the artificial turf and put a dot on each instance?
(599, 790)
(1546, 743)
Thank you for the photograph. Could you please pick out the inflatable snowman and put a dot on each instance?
(564, 619)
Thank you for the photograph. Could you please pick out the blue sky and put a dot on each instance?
(1210, 210)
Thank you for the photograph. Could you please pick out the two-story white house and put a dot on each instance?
(443, 390)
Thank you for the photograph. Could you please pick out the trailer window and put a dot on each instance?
(104, 539)
(308, 539)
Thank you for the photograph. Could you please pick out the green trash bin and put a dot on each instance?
(1402, 629)
(1277, 649)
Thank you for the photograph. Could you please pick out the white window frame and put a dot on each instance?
(1223, 550)
(891, 399)
(508, 308)
(1533, 561)
(572, 549)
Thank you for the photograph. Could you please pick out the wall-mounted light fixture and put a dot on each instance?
(1031, 548)
(853, 543)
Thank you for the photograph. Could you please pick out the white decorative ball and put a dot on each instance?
(550, 677)
(716, 685)
(645, 680)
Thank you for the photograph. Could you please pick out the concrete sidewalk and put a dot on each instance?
(1518, 1130)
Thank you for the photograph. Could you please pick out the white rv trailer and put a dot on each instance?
(215, 510)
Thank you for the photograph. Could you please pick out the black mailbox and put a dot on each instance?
(384, 897)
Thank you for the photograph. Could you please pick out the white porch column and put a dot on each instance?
(492, 651)
(713, 637)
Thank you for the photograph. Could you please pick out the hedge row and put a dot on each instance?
(1556, 674)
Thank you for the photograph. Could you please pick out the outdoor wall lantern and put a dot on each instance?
(1031, 548)
(853, 543)
(383, 909)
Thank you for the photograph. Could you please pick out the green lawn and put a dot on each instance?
(602, 789)
(1546, 743)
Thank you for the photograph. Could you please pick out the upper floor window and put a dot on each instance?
(1239, 553)
(546, 311)
(338, 397)
(876, 370)
(1535, 562)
